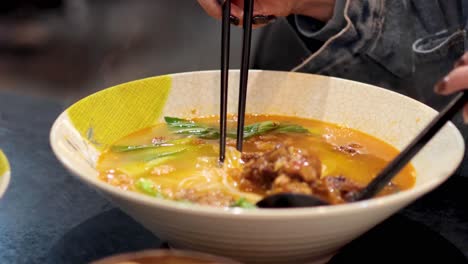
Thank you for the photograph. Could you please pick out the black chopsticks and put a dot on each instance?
(244, 73)
(225, 47)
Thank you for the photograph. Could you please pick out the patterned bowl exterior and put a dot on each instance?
(310, 235)
(4, 173)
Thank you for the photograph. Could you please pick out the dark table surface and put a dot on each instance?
(47, 216)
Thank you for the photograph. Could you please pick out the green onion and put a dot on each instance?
(243, 203)
(132, 148)
(178, 122)
(179, 141)
(259, 129)
(156, 153)
(291, 128)
(147, 187)
(186, 127)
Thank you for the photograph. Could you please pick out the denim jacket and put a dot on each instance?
(402, 45)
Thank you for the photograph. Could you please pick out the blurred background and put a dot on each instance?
(68, 49)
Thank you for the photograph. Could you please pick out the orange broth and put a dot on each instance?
(197, 169)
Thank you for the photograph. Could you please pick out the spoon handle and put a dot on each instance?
(394, 167)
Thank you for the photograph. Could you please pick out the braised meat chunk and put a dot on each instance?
(288, 169)
(283, 169)
(340, 189)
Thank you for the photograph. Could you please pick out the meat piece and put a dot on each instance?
(265, 145)
(296, 164)
(351, 149)
(248, 156)
(291, 170)
(284, 184)
(215, 198)
(268, 142)
(340, 189)
(158, 140)
(354, 145)
(341, 183)
(118, 179)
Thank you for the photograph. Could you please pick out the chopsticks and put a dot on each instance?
(244, 73)
(225, 48)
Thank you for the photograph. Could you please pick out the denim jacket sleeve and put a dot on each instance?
(363, 35)
(311, 28)
(382, 30)
(395, 44)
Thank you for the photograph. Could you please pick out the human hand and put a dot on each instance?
(265, 11)
(456, 81)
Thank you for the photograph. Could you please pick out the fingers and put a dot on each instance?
(456, 81)
(236, 14)
(213, 8)
(265, 12)
(463, 61)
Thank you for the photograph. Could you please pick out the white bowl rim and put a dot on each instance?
(208, 211)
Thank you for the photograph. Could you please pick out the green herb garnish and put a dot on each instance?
(147, 187)
(291, 128)
(132, 148)
(159, 152)
(187, 127)
(168, 143)
(243, 203)
(259, 129)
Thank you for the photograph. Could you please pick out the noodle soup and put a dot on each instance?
(178, 160)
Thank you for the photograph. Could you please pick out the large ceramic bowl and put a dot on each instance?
(310, 235)
(4, 173)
